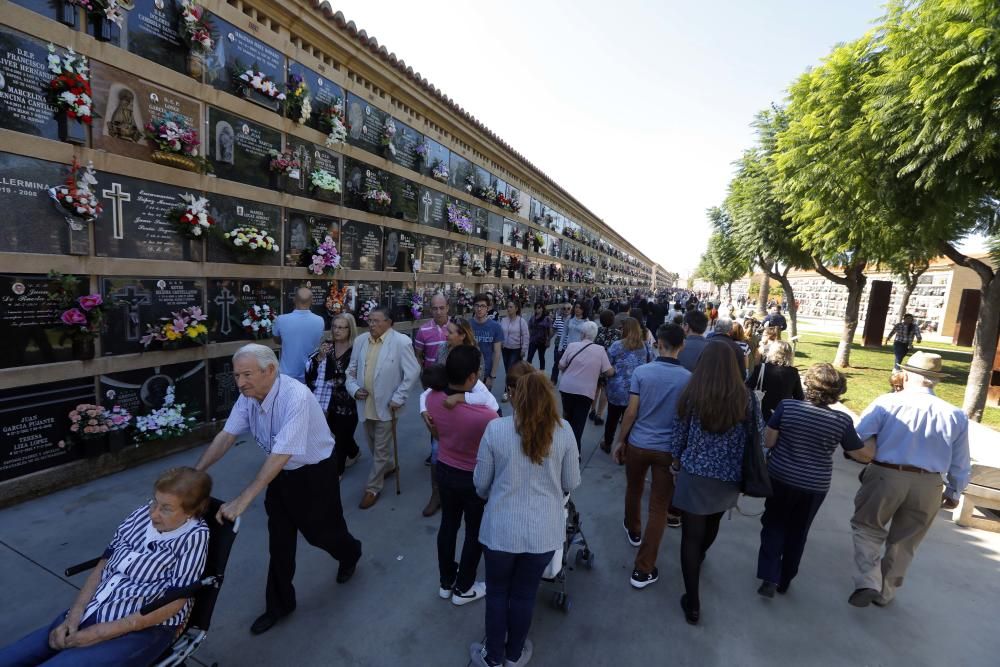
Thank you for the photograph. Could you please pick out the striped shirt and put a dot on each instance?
(559, 328)
(142, 563)
(288, 421)
(524, 501)
(429, 340)
(905, 333)
(324, 387)
(808, 436)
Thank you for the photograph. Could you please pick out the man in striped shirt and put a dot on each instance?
(904, 333)
(559, 332)
(299, 474)
(433, 335)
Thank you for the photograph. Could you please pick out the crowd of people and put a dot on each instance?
(685, 393)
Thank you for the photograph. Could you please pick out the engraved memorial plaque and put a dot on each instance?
(134, 303)
(229, 213)
(237, 51)
(143, 390)
(361, 246)
(239, 148)
(29, 323)
(228, 303)
(303, 228)
(24, 75)
(365, 124)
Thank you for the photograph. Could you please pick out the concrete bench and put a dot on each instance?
(982, 496)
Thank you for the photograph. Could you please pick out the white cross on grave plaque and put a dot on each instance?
(117, 195)
(224, 300)
(427, 200)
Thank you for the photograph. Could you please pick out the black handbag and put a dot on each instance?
(755, 482)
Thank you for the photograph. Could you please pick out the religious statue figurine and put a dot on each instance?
(122, 124)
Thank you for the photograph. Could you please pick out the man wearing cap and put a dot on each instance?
(920, 440)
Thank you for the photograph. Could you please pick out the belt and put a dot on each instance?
(904, 468)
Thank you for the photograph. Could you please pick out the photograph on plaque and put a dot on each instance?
(24, 75)
(462, 173)
(125, 103)
(230, 213)
(365, 124)
(30, 328)
(361, 178)
(431, 254)
(330, 297)
(24, 184)
(134, 303)
(150, 31)
(143, 390)
(432, 208)
(495, 225)
(33, 423)
(314, 158)
(400, 249)
(237, 52)
(437, 156)
(303, 230)
(360, 246)
(134, 223)
(230, 302)
(323, 93)
(398, 298)
(239, 149)
(405, 142)
(405, 195)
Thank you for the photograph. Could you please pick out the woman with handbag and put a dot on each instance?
(776, 378)
(719, 422)
(581, 365)
(802, 437)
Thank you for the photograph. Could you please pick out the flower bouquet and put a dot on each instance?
(76, 196)
(81, 316)
(487, 193)
(515, 237)
(69, 94)
(470, 183)
(164, 422)
(196, 30)
(334, 117)
(439, 171)
(321, 179)
(102, 14)
(463, 262)
(251, 81)
(90, 425)
(192, 220)
(321, 258)
(298, 105)
(176, 143)
(378, 200)
(538, 241)
(258, 321)
(250, 241)
(336, 300)
(187, 326)
(463, 300)
(366, 310)
(416, 306)
(477, 267)
(513, 204)
(283, 167)
(388, 134)
(459, 219)
(422, 150)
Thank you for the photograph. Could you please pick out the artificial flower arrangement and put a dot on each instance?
(322, 257)
(258, 321)
(185, 326)
(538, 241)
(336, 299)
(439, 171)
(463, 261)
(366, 310)
(515, 236)
(69, 90)
(530, 271)
(250, 240)
(388, 134)
(377, 198)
(502, 200)
(337, 121)
(164, 422)
(487, 193)
(195, 28)
(192, 219)
(91, 422)
(422, 150)
(81, 315)
(321, 179)
(252, 79)
(283, 163)
(109, 10)
(477, 267)
(416, 306)
(513, 204)
(459, 219)
(470, 183)
(174, 137)
(463, 300)
(298, 105)
(76, 196)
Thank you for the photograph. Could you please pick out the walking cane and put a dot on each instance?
(395, 450)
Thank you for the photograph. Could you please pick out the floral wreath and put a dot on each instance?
(76, 196)
(365, 310)
(338, 123)
(193, 218)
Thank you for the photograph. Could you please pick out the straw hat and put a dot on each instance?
(924, 363)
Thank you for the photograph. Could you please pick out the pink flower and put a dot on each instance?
(90, 301)
(74, 317)
(74, 428)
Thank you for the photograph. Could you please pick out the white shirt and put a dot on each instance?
(288, 421)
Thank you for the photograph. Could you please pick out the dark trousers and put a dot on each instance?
(698, 532)
(343, 428)
(576, 407)
(788, 514)
(458, 500)
(510, 357)
(556, 356)
(615, 414)
(899, 350)
(539, 347)
(512, 582)
(305, 500)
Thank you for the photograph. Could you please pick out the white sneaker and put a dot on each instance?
(444, 593)
(477, 591)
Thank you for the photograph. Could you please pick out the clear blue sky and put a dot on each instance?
(636, 108)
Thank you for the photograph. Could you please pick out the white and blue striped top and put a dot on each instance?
(142, 563)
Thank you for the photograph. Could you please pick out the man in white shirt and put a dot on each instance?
(299, 474)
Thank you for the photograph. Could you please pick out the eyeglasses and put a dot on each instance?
(482, 305)
(166, 511)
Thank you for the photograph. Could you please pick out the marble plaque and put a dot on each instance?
(135, 302)
(24, 75)
(436, 154)
(53, 9)
(358, 179)
(459, 170)
(405, 198)
(151, 32)
(365, 123)
(398, 297)
(405, 142)
(495, 226)
(24, 182)
(431, 254)
(239, 148)
(222, 389)
(303, 228)
(360, 246)
(228, 301)
(313, 157)
(323, 92)
(453, 256)
(229, 213)
(143, 390)
(401, 248)
(330, 297)
(480, 223)
(236, 51)
(432, 208)
(29, 322)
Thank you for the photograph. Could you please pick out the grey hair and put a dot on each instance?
(779, 353)
(588, 330)
(723, 326)
(264, 355)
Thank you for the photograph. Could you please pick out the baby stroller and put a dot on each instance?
(555, 573)
(205, 591)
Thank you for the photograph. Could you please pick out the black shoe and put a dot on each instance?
(598, 421)
(427, 461)
(345, 571)
(862, 597)
(675, 522)
(635, 539)
(783, 588)
(640, 580)
(692, 616)
(265, 622)
(592, 416)
(767, 589)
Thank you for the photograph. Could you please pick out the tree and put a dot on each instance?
(723, 263)
(934, 109)
(908, 269)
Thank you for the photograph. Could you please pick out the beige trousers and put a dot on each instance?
(893, 509)
(379, 436)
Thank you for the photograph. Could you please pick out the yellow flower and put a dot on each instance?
(170, 333)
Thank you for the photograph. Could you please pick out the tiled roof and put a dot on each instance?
(371, 43)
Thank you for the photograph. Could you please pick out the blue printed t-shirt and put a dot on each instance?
(625, 363)
(808, 436)
(658, 385)
(487, 333)
(301, 332)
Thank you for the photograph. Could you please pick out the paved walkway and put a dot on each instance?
(389, 614)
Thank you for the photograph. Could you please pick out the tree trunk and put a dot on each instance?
(762, 296)
(984, 349)
(793, 309)
(855, 287)
(730, 289)
(907, 293)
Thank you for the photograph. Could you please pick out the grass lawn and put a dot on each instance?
(868, 376)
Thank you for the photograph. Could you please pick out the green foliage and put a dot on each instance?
(723, 262)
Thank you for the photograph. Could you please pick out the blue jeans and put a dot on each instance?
(899, 350)
(138, 649)
(511, 586)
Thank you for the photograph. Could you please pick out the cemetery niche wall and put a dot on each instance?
(145, 236)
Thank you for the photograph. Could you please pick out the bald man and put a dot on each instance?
(432, 337)
(299, 333)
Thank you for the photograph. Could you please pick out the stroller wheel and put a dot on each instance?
(586, 557)
(561, 601)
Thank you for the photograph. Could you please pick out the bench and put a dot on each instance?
(983, 496)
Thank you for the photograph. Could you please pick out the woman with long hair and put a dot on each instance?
(326, 375)
(717, 415)
(625, 356)
(526, 465)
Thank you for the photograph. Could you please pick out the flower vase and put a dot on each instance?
(66, 13)
(175, 160)
(94, 447)
(279, 181)
(71, 130)
(117, 441)
(83, 348)
(103, 28)
(195, 65)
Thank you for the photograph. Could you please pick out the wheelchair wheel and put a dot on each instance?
(586, 558)
(561, 602)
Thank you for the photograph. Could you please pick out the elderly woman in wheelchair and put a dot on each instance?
(160, 546)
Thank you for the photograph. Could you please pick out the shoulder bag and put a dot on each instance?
(758, 390)
(577, 354)
(755, 481)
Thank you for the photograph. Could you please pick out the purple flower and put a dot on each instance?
(90, 301)
(74, 317)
